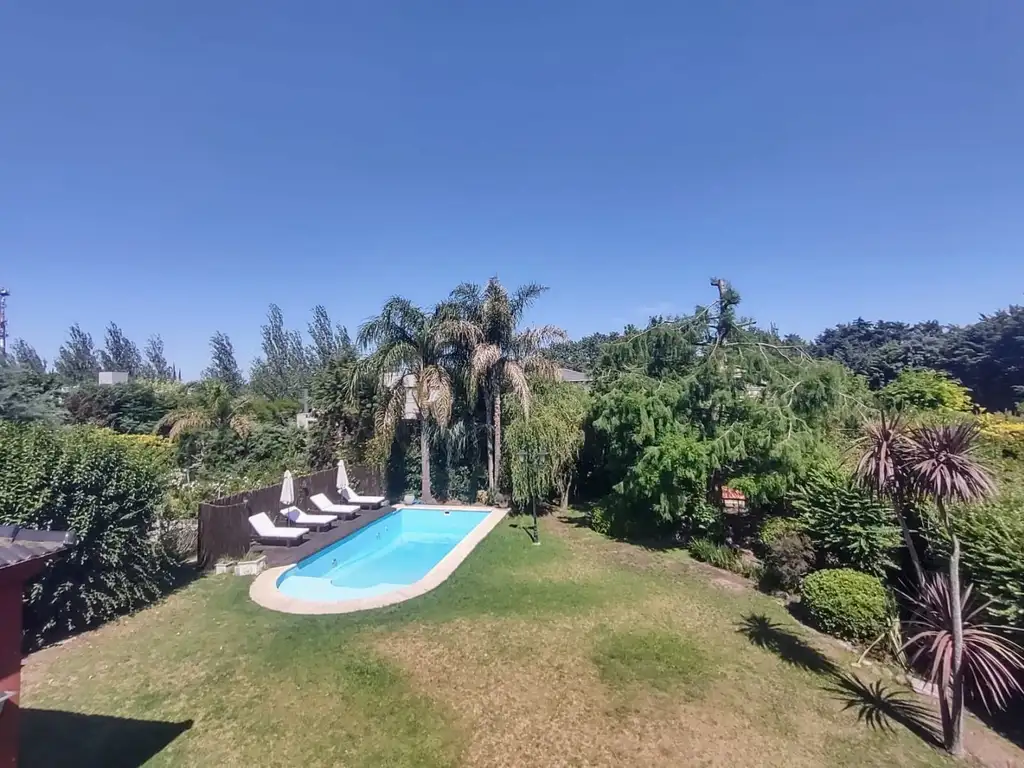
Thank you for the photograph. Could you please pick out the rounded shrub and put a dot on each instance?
(846, 603)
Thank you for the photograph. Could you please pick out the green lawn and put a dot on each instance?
(581, 652)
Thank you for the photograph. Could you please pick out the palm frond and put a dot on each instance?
(515, 376)
(884, 447)
(398, 321)
(942, 462)
(534, 339)
(541, 366)
(524, 297)
(184, 421)
(390, 412)
(992, 663)
(483, 359)
(435, 394)
(242, 424)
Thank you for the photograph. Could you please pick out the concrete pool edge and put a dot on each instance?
(264, 592)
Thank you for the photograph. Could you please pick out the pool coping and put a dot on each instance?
(263, 591)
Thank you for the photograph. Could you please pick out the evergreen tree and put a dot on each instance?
(25, 355)
(120, 352)
(156, 366)
(284, 369)
(223, 366)
(76, 360)
(329, 341)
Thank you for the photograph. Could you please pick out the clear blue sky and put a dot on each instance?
(176, 166)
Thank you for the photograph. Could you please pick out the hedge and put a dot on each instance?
(108, 492)
(846, 603)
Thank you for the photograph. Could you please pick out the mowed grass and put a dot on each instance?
(580, 652)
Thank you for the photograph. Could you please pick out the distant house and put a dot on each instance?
(109, 378)
(411, 410)
(569, 376)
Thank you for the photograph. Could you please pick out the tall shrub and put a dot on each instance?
(848, 528)
(108, 492)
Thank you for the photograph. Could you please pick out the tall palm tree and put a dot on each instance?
(942, 466)
(415, 351)
(209, 406)
(883, 469)
(501, 354)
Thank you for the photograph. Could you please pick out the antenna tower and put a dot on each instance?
(4, 293)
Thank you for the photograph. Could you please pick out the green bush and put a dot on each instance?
(774, 528)
(105, 489)
(846, 603)
(718, 555)
(992, 551)
(848, 528)
(788, 558)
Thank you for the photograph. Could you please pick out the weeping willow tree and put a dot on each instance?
(542, 448)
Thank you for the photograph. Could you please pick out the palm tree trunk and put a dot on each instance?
(489, 406)
(955, 735)
(425, 493)
(908, 541)
(497, 437)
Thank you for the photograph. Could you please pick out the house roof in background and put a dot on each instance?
(19, 545)
(573, 377)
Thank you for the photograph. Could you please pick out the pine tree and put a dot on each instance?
(284, 369)
(223, 366)
(120, 353)
(156, 366)
(25, 355)
(329, 341)
(76, 361)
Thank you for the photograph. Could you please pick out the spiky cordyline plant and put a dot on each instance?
(941, 465)
(883, 468)
(990, 662)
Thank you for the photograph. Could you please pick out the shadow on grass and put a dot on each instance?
(54, 739)
(882, 708)
(788, 646)
(877, 706)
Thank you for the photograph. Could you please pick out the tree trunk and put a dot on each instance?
(908, 540)
(488, 406)
(565, 496)
(425, 493)
(955, 735)
(497, 438)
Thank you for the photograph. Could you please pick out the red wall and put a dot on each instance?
(10, 666)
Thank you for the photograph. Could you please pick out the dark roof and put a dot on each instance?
(19, 545)
(574, 377)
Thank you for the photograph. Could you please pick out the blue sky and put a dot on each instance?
(175, 167)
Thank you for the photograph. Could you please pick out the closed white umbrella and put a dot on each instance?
(342, 475)
(287, 490)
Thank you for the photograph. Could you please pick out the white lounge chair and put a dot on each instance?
(297, 516)
(324, 504)
(363, 501)
(266, 531)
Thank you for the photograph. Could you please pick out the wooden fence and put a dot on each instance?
(224, 529)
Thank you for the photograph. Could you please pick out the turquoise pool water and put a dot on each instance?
(390, 553)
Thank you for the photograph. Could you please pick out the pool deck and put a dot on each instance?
(283, 555)
(264, 592)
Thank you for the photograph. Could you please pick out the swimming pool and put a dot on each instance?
(399, 556)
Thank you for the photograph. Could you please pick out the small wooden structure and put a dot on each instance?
(23, 554)
(733, 500)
